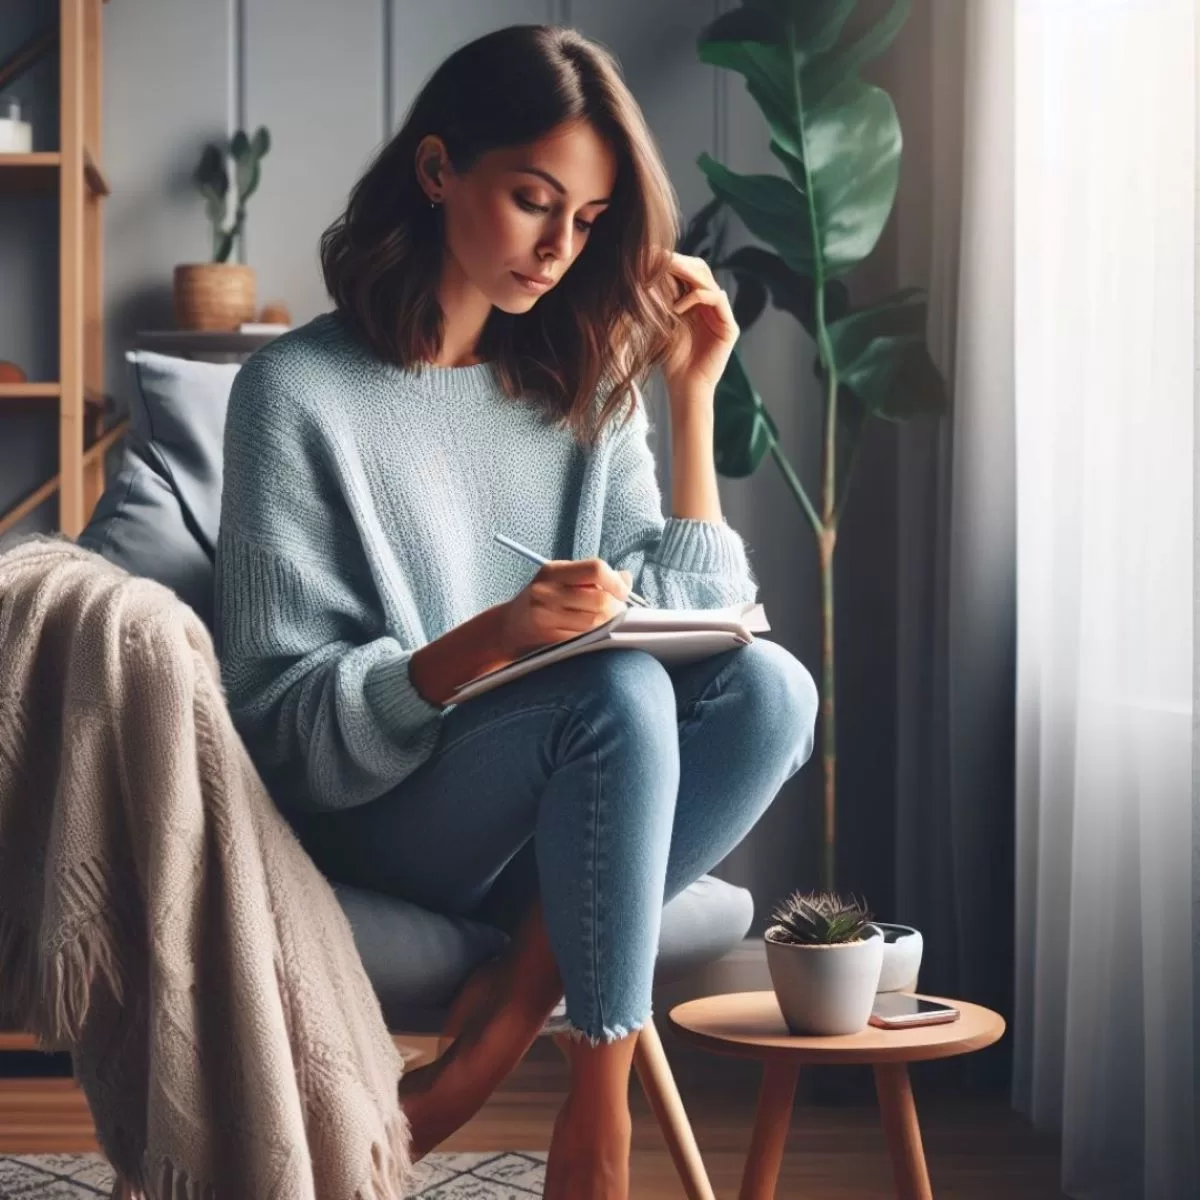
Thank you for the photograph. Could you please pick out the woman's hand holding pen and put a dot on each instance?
(564, 599)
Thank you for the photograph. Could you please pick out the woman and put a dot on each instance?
(503, 277)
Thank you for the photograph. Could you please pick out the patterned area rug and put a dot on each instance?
(494, 1176)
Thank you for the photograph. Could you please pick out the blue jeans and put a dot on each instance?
(607, 784)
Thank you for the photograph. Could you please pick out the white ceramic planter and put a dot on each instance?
(902, 949)
(826, 989)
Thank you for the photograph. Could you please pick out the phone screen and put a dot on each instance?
(900, 1004)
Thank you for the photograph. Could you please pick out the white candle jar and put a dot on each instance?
(16, 136)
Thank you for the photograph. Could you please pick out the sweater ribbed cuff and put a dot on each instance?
(701, 547)
(393, 696)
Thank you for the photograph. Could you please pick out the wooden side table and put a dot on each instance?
(750, 1025)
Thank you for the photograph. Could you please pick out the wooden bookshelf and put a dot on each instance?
(73, 176)
(38, 173)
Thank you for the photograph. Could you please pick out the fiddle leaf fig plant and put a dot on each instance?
(838, 141)
(211, 177)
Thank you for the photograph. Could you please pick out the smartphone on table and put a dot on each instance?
(898, 1010)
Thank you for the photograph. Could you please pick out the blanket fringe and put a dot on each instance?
(169, 1182)
(393, 1173)
(50, 995)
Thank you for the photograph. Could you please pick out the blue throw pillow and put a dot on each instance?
(177, 408)
(159, 515)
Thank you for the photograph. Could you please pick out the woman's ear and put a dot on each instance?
(431, 160)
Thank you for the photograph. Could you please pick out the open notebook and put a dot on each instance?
(672, 635)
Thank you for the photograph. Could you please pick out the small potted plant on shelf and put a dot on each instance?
(825, 956)
(220, 294)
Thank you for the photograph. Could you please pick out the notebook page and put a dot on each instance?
(737, 617)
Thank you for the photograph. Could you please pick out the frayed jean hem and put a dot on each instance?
(608, 1034)
(559, 1024)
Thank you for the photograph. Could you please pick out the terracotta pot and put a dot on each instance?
(213, 295)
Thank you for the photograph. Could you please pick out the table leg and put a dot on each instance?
(771, 1121)
(903, 1134)
(654, 1072)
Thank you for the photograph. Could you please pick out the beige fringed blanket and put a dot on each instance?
(159, 919)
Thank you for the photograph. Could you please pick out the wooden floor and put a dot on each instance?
(980, 1152)
(975, 1151)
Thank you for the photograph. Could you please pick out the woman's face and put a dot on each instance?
(516, 221)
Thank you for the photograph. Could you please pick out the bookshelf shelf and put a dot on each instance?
(39, 173)
(47, 391)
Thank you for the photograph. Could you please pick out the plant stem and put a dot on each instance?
(797, 488)
(827, 533)
(827, 544)
(826, 540)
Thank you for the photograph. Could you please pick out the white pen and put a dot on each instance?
(533, 556)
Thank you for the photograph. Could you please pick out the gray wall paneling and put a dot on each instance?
(316, 81)
(423, 34)
(168, 89)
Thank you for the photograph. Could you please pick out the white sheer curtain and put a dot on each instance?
(1105, 1019)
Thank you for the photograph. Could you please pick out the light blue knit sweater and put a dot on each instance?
(357, 514)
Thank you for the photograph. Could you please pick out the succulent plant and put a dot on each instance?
(212, 178)
(818, 918)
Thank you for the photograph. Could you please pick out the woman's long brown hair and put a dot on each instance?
(609, 319)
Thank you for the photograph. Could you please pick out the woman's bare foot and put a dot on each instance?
(589, 1150)
(473, 1006)
(499, 1024)
(589, 1160)
(476, 998)
(441, 1097)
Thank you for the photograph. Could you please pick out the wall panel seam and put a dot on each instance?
(389, 115)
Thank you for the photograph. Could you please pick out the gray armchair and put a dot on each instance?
(158, 517)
